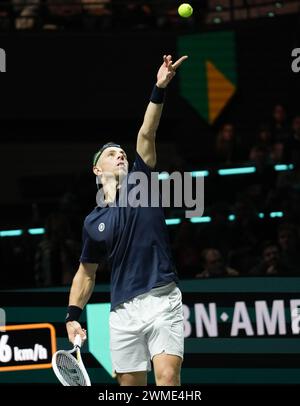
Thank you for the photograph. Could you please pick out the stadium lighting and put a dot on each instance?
(36, 231)
(11, 233)
(237, 171)
(204, 219)
(196, 174)
(172, 222)
(274, 214)
(283, 167)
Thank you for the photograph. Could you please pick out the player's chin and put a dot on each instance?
(122, 171)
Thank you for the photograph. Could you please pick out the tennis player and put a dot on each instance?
(146, 318)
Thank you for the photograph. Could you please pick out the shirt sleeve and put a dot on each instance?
(92, 251)
(140, 166)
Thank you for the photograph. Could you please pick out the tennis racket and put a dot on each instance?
(68, 366)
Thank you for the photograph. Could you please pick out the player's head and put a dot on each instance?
(111, 159)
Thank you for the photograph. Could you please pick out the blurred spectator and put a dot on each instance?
(5, 15)
(62, 14)
(134, 14)
(57, 255)
(289, 243)
(286, 195)
(69, 207)
(227, 146)
(214, 266)
(245, 235)
(186, 250)
(97, 14)
(264, 138)
(287, 192)
(27, 12)
(293, 143)
(279, 128)
(259, 184)
(270, 263)
(216, 233)
(277, 153)
(258, 157)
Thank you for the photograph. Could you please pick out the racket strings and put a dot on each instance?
(70, 370)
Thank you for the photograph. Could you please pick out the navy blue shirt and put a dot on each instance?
(135, 241)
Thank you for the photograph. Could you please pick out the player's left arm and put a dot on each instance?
(146, 136)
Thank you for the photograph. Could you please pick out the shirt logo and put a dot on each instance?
(101, 227)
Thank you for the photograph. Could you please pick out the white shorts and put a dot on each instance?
(149, 324)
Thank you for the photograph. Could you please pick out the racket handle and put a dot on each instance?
(77, 341)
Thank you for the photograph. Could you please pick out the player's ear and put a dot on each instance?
(97, 171)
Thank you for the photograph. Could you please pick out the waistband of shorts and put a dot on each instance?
(159, 290)
(163, 288)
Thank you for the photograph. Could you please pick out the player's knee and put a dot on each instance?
(168, 377)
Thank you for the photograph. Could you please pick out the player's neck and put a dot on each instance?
(110, 190)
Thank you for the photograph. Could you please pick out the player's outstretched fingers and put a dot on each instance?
(179, 62)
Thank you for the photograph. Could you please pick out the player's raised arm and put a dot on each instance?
(146, 136)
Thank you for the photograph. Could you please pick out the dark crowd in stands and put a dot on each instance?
(242, 239)
(91, 15)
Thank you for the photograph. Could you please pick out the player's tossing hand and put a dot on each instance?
(168, 70)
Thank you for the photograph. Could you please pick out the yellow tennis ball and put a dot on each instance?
(185, 10)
